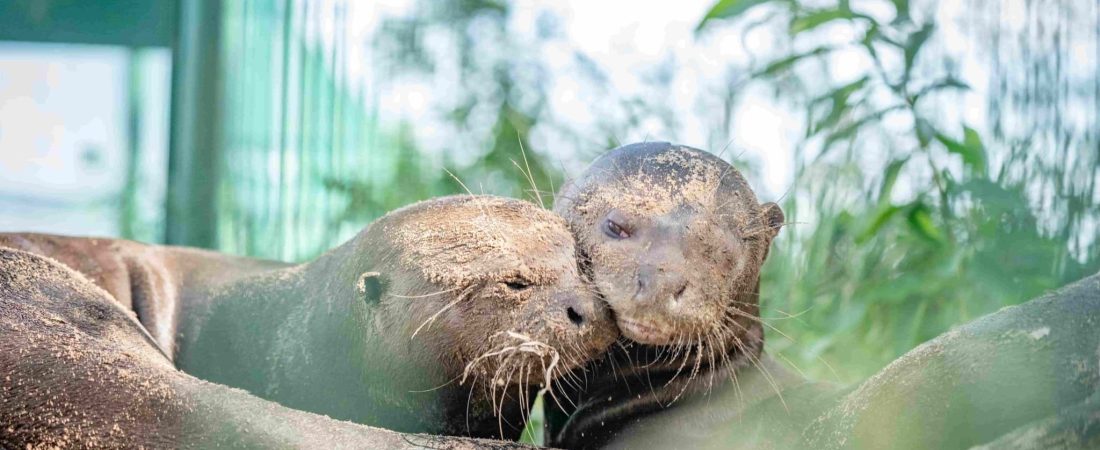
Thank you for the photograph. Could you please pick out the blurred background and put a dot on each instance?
(938, 160)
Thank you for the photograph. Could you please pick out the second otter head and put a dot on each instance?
(492, 287)
(673, 237)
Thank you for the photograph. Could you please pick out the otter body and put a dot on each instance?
(153, 281)
(435, 319)
(78, 371)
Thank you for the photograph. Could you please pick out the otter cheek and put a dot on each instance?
(612, 286)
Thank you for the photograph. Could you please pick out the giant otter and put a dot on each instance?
(78, 371)
(673, 238)
(434, 319)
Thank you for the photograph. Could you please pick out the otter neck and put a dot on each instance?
(637, 380)
(304, 337)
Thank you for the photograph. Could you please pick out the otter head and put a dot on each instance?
(673, 237)
(491, 286)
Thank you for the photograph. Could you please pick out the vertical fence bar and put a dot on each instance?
(194, 160)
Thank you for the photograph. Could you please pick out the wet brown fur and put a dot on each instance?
(152, 281)
(78, 371)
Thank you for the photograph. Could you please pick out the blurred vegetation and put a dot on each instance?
(311, 165)
(986, 222)
(908, 219)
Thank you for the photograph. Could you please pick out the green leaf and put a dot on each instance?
(970, 149)
(533, 430)
(817, 18)
(973, 142)
(901, 7)
(891, 177)
(789, 61)
(851, 129)
(949, 82)
(921, 222)
(885, 212)
(915, 43)
(839, 98)
(726, 9)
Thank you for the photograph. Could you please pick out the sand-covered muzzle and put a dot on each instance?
(673, 238)
(507, 307)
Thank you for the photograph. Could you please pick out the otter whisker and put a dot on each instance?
(430, 294)
(530, 175)
(503, 383)
(755, 231)
(792, 364)
(723, 151)
(732, 370)
(452, 380)
(460, 183)
(694, 373)
(787, 315)
(836, 375)
(534, 189)
(679, 369)
(764, 371)
(469, 400)
(760, 321)
(432, 318)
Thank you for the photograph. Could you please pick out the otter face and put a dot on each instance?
(499, 295)
(674, 239)
(534, 322)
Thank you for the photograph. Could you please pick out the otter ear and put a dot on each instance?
(773, 218)
(372, 286)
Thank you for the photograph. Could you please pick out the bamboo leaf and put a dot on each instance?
(851, 129)
(839, 103)
(901, 8)
(915, 43)
(970, 149)
(785, 64)
(726, 9)
(920, 220)
(881, 217)
(891, 178)
(946, 83)
(818, 18)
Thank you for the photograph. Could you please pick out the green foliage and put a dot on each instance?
(727, 9)
(534, 432)
(312, 165)
(868, 277)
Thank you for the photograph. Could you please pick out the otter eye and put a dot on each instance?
(517, 284)
(613, 229)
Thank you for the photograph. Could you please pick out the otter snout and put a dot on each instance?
(579, 310)
(660, 278)
(660, 283)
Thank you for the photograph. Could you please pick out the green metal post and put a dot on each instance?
(195, 162)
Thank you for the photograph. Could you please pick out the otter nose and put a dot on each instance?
(657, 283)
(576, 309)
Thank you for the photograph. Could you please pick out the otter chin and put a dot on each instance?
(673, 238)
